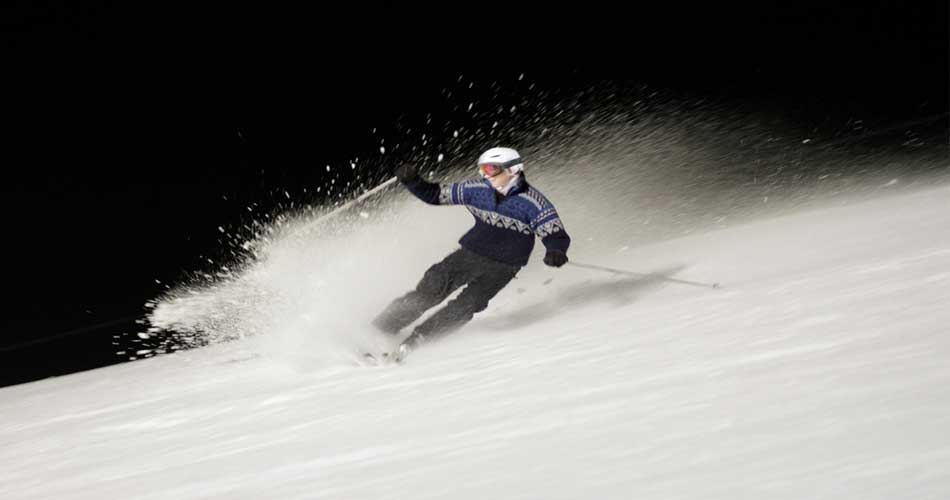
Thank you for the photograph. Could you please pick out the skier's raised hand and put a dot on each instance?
(406, 172)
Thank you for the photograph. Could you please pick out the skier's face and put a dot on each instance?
(493, 171)
(500, 180)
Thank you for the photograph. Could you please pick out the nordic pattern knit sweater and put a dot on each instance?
(505, 225)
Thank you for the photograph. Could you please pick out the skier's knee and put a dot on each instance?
(431, 286)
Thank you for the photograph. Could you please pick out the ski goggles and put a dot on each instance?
(490, 169)
(493, 169)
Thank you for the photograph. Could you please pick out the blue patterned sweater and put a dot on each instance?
(505, 225)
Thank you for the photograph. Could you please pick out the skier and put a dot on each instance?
(508, 213)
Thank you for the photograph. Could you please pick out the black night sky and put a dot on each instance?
(130, 135)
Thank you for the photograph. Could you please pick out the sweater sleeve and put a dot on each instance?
(447, 193)
(425, 191)
(548, 226)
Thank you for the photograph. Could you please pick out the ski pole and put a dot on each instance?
(358, 199)
(642, 275)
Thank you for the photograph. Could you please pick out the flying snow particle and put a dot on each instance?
(382, 150)
(455, 134)
(440, 157)
(364, 215)
(144, 336)
(470, 105)
(328, 168)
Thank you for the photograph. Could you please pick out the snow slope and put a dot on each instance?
(819, 371)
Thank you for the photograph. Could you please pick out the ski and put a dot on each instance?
(397, 357)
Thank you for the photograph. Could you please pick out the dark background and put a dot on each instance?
(130, 134)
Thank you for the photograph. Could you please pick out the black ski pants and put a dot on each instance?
(484, 279)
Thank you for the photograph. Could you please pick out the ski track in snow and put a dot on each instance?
(819, 371)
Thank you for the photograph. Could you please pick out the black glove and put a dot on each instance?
(406, 173)
(555, 258)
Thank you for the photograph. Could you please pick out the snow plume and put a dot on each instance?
(312, 284)
(624, 170)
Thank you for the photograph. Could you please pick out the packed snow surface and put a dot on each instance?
(819, 370)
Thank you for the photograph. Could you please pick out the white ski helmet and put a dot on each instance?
(506, 158)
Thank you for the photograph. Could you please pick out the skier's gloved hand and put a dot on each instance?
(406, 172)
(555, 258)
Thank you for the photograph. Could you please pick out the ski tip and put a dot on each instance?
(382, 359)
(366, 359)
